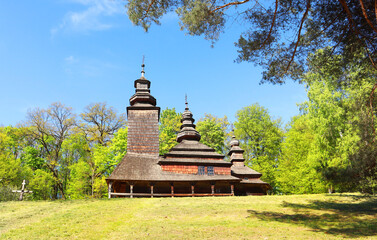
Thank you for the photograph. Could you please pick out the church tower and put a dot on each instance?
(143, 117)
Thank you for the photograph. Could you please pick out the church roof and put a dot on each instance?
(255, 181)
(245, 171)
(193, 148)
(139, 167)
(235, 146)
(189, 150)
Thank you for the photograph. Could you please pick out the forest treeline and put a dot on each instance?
(330, 145)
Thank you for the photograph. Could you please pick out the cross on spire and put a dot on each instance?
(142, 67)
(186, 102)
(232, 127)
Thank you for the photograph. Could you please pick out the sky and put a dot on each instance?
(79, 52)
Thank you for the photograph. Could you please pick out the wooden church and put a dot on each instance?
(188, 169)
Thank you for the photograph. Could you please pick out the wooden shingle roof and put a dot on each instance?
(143, 167)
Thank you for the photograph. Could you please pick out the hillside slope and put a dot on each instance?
(264, 217)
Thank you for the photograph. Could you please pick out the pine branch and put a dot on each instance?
(228, 5)
(272, 25)
(366, 16)
(149, 7)
(299, 34)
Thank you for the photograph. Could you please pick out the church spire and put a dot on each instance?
(188, 131)
(186, 103)
(142, 96)
(142, 69)
(235, 152)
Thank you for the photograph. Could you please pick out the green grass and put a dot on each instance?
(320, 216)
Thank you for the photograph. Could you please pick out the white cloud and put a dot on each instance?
(94, 17)
(71, 59)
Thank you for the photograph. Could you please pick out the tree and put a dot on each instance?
(297, 175)
(213, 132)
(170, 123)
(260, 137)
(278, 34)
(60, 158)
(339, 115)
(101, 122)
(42, 185)
(12, 142)
(118, 146)
(50, 128)
(76, 153)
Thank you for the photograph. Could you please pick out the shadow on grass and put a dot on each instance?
(356, 218)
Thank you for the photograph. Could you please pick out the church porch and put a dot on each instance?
(169, 189)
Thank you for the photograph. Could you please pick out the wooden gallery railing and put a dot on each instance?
(131, 194)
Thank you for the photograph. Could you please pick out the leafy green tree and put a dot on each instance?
(12, 169)
(60, 158)
(297, 175)
(278, 34)
(118, 146)
(170, 123)
(99, 163)
(42, 184)
(101, 122)
(49, 128)
(10, 166)
(32, 158)
(76, 154)
(79, 185)
(339, 115)
(260, 137)
(214, 132)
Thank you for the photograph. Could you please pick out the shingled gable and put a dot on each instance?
(188, 169)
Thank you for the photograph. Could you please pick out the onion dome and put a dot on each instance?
(188, 131)
(142, 96)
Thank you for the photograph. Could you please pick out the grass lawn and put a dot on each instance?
(319, 216)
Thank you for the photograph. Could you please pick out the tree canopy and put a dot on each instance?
(214, 132)
(170, 123)
(260, 136)
(332, 143)
(278, 35)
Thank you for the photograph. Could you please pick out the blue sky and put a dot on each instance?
(84, 51)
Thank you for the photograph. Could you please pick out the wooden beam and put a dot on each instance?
(232, 189)
(131, 190)
(213, 189)
(109, 190)
(151, 190)
(169, 194)
(172, 190)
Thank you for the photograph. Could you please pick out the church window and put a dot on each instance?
(201, 170)
(210, 171)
